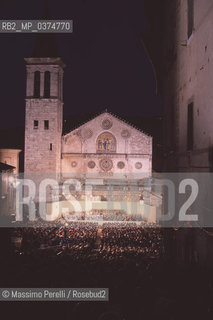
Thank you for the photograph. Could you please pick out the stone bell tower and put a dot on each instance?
(44, 107)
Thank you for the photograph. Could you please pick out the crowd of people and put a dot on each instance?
(55, 236)
(124, 257)
(130, 240)
(83, 240)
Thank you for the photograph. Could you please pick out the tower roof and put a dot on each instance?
(45, 46)
(45, 43)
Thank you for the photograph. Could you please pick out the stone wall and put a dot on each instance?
(43, 146)
(38, 156)
(131, 153)
(189, 79)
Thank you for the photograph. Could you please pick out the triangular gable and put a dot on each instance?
(109, 114)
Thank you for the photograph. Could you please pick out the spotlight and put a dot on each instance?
(11, 179)
(141, 199)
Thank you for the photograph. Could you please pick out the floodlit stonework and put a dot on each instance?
(105, 145)
(106, 150)
(43, 144)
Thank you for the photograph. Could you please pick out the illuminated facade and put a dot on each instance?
(105, 145)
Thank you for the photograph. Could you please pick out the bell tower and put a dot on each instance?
(44, 107)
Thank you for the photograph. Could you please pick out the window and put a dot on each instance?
(190, 128)
(46, 124)
(37, 84)
(51, 146)
(35, 124)
(46, 84)
(190, 17)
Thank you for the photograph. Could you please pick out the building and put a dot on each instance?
(105, 144)
(9, 169)
(188, 100)
(180, 45)
(10, 157)
(105, 147)
(181, 53)
(7, 174)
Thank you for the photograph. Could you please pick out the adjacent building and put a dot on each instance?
(180, 46)
(11, 158)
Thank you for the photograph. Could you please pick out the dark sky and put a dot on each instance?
(107, 66)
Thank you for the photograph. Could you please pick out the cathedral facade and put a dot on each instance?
(104, 146)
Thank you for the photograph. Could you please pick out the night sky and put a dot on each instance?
(107, 66)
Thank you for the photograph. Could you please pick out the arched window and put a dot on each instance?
(106, 143)
(46, 84)
(37, 84)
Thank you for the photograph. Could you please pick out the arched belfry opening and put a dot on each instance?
(37, 84)
(47, 84)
